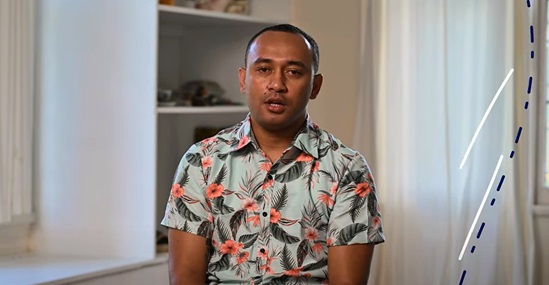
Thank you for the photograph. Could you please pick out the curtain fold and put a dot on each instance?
(430, 70)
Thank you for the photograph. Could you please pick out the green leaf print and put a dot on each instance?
(356, 206)
(221, 175)
(236, 221)
(185, 177)
(194, 159)
(204, 229)
(353, 176)
(220, 265)
(317, 265)
(302, 250)
(281, 235)
(248, 240)
(220, 205)
(349, 232)
(287, 261)
(224, 233)
(280, 198)
(292, 173)
(185, 212)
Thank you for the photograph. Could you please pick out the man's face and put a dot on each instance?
(278, 80)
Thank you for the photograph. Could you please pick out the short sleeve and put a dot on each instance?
(356, 217)
(187, 209)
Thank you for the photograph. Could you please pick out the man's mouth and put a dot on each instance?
(275, 105)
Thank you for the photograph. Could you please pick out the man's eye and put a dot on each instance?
(294, 72)
(263, 69)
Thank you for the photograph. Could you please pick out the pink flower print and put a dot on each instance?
(177, 190)
(275, 216)
(376, 221)
(243, 141)
(363, 189)
(316, 166)
(303, 157)
(267, 184)
(214, 190)
(317, 247)
(333, 190)
(230, 247)
(326, 199)
(267, 269)
(250, 205)
(330, 241)
(242, 257)
(263, 254)
(206, 162)
(209, 140)
(293, 272)
(253, 219)
(266, 166)
(311, 234)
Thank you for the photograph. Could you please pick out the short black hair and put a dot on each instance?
(287, 28)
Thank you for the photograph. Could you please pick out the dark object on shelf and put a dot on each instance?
(238, 7)
(204, 93)
(165, 97)
(201, 133)
(161, 242)
(166, 2)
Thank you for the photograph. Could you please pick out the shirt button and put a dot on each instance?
(265, 214)
(270, 176)
(262, 250)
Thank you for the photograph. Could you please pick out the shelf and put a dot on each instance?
(191, 17)
(202, 110)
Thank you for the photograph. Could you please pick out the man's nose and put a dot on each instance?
(277, 82)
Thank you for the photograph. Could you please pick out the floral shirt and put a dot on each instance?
(272, 223)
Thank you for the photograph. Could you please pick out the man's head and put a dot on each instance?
(280, 78)
(287, 28)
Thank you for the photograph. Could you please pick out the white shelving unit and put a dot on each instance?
(202, 110)
(202, 45)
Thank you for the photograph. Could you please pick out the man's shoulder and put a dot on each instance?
(333, 145)
(222, 142)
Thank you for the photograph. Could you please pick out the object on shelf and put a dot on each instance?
(201, 133)
(165, 97)
(238, 7)
(204, 93)
(161, 242)
(228, 6)
(167, 2)
(212, 5)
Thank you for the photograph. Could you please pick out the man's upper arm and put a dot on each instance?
(349, 264)
(188, 258)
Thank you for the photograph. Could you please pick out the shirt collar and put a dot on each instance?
(306, 139)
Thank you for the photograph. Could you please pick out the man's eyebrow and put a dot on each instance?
(289, 62)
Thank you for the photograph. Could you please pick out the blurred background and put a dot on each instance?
(99, 100)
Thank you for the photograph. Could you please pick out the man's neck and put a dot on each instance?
(274, 142)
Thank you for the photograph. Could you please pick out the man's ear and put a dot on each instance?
(317, 83)
(242, 79)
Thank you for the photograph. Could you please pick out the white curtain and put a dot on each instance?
(16, 122)
(430, 69)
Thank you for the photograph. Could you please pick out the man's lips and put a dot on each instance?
(275, 104)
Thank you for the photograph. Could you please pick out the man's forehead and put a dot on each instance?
(277, 39)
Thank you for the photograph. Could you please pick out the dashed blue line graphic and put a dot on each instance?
(517, 138)
(501, 182)
(480, 230)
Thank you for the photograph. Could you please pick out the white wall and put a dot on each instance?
(96, 128)
(335, 25)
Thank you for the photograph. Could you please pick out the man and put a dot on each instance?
(274, 199)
